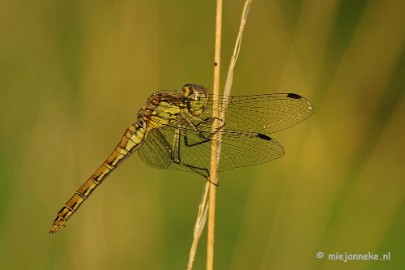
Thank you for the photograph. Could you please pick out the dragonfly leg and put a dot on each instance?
(200, 130)
(209, 121)
(176, 157)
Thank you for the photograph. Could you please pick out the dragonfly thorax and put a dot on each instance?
(161, 108)
(172, 107)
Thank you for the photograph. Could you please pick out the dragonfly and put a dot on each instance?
(174, 130)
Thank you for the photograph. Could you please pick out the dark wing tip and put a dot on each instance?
(294, 96)
(301, 98)
(264, 137)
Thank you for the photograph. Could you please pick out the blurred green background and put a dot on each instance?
(73, 75)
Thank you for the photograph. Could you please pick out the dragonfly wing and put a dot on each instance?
(265, 114)
(247, 149)
(238, 149)
(156, 151)
(243, 139)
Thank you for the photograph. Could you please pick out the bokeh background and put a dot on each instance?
(73, 75)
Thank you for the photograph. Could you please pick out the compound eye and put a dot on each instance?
(193, 89)
(187, 90)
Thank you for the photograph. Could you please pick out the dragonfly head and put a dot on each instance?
(197, 98)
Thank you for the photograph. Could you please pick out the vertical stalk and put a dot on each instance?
(214, 144)
(208, 203)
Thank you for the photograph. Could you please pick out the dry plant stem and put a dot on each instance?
(214, 142)
(238, 43)
(229, 77)
(199, 225)
(210, 187)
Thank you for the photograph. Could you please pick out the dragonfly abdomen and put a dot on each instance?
(133, 137)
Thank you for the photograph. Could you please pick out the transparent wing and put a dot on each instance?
(266, 114)
(244, 141)
(239, 149)
(156, 150)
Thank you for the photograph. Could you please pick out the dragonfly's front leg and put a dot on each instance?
(201, 129)
(176, 156)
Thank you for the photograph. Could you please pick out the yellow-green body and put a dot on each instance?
(162, 108)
